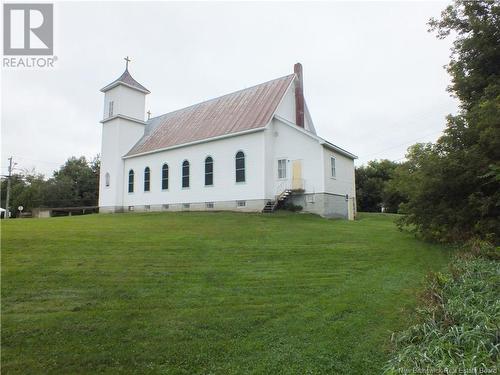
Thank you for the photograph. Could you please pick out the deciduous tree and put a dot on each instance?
(456, 189)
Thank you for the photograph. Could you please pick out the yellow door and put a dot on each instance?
(350, 208)
(297, 182)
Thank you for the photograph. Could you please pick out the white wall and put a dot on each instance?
(284, 141)
(110, 163)
(286, 109)
(343, 182)
(225, 188)
(269, 140)
(118, 137)
(127, 101)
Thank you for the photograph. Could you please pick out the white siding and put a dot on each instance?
(283, 141)
(110, 163)
(118, 136)
(224, 186)
(126, 101)
(286, 109)
(343, 182)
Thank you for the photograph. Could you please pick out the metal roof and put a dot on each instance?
(127, 80)
(243, 110)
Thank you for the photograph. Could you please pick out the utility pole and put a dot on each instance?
(7, 211)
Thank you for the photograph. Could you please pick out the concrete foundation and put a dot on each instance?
(253, 205)
(323, 204)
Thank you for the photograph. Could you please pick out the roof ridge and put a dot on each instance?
(126, 79)
(242, 110)
(221, 96)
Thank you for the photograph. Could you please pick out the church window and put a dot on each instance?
(333, 167)
(110, 108)
(281, 168)
(209, 171)
(240, 166)
(147, 176)
(164, 177)
(131, 181)
(107, 179)
(185, 174)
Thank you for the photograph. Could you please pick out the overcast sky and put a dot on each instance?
(373, 76)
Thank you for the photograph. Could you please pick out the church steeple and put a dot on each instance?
(123, 125)
(126, 80)
(124, 97)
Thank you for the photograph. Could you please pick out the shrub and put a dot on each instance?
(289, 206)
(481, 248)
(458, 329)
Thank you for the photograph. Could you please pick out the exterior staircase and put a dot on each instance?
(280, 200)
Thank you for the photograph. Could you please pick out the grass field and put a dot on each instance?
(206, 293)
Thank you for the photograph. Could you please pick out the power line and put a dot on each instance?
(402, 144)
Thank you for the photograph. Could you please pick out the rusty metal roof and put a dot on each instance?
(127, 80)
(243, 110)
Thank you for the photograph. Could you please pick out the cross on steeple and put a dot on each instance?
(127, 59)
(149, 114)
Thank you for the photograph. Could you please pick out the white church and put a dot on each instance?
(252, 150)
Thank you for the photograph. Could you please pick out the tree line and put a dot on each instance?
(450, 190)
(75, 184)
(447, 191)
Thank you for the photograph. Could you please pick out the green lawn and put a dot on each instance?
(207, 293)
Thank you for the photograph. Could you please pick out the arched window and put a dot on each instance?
(107, 179)
(147, 176)
(131, 181)
(185, 174)
(164, 176)
(240, 166)
(209, 171)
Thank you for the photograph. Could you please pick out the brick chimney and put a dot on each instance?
(299, 95)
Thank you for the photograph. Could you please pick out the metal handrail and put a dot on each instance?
(290, 184)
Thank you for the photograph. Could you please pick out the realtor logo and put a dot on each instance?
(28, 29)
